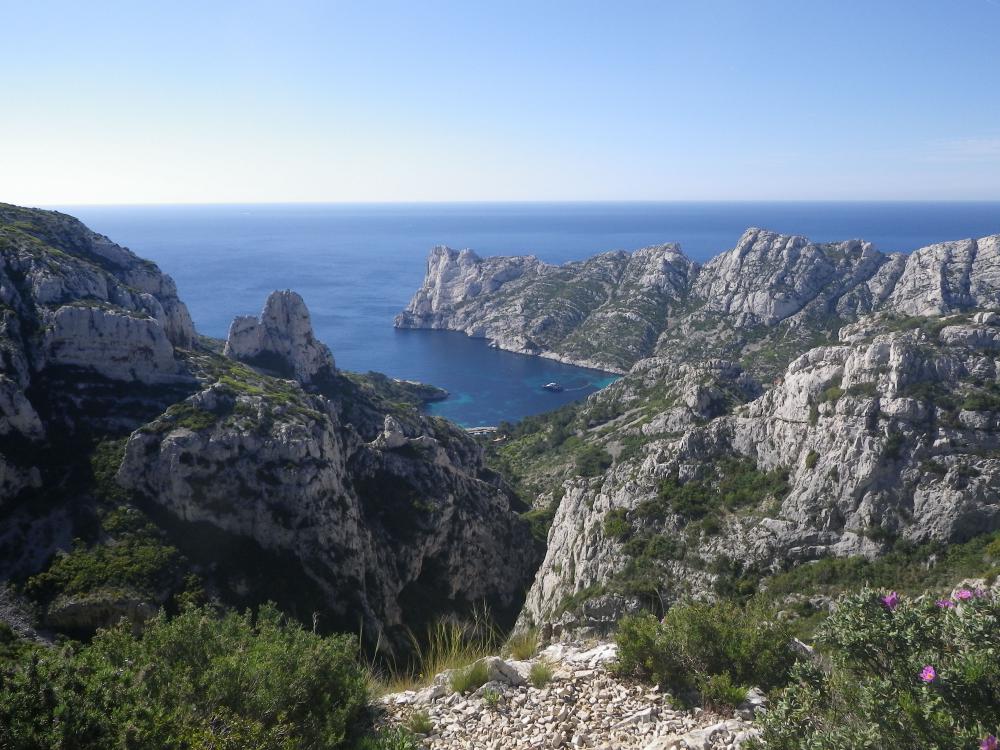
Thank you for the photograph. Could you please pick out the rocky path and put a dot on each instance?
(583, 706)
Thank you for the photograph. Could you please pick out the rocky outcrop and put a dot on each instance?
(584, 705)
(281, 340)
(616, 308)
(381, 527)
(85, 325)
(616, 300)
(890, 435)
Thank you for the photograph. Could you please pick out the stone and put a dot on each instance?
(281, 340)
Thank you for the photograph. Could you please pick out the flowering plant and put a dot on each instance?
(896, 672)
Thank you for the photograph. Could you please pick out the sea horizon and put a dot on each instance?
(357, 265)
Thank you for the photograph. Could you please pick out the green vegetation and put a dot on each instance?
(863, 390)
(708, 648)
(491, 698)
(420, 723)
(896, 673)
(983, 399)
(448, 644)
(199, 680)
(540, 674)
(592, 461)
(812, 458)
(469, 678)
(906, 568)
(616, 525)
(391, 738)
(522, 644)
(734, 484)
(139, 564)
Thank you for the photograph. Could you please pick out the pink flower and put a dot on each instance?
(989, 743)
(891, 599)
(964, 595)
(927, 674)
(945, 603)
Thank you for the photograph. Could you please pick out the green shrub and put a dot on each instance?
(737, 483)
(199, 680)
(592, 461)
(467, 679)
(832, 394)
(616, 525)
(718, 691)
(139, 563)
(540, 674)
(420, 723)
(697, 641)
(877, 691)
(491, 698)
(393, 738)
(812, 458)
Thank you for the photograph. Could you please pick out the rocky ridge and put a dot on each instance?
(889, 435)
(616, 308)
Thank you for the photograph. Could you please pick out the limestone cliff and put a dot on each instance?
(281, 339)
(603, 312)
(616, 308)
(888, 436)
(173, 463)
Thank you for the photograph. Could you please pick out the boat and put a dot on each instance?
(554, 387)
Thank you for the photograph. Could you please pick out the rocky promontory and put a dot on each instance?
(616, 308)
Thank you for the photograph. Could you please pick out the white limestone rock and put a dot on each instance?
(281, 339)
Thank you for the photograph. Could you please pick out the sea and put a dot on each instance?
(357, 265)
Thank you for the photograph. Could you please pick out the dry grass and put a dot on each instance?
(522, 645)
(449, 644)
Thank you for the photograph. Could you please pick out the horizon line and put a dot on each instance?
(526, 202)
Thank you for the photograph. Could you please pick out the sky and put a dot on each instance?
(233, 102)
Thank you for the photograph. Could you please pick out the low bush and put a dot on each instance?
(700, 647)
(592, 461)
(391, 738)
(472, 677)
(719, 692)
(897, 672)
(540, 674)
(420, 723)
(199, 680)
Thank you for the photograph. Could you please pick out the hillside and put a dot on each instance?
(763, 302)
(140, 461)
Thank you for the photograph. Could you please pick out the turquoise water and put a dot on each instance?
(357, 266)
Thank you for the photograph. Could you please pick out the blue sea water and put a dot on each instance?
(357, 266)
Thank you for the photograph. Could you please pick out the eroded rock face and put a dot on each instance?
(891, 436)
(616, 308)
(281, 339)
(71, 301)
(524, 305)
(383, 528)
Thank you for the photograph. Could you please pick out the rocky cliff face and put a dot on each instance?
(281, 339)
(528, 306)
(118, 426)
(614, 309)
(889, 435)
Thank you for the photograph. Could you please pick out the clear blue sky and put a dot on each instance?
(108, 102)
